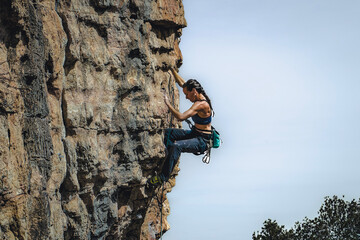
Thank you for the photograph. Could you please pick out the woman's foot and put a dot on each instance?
(155, 181)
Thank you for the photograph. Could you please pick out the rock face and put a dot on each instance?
(82, 116)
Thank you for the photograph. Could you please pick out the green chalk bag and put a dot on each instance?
(216, 141)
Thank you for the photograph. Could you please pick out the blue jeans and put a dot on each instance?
(178, 141)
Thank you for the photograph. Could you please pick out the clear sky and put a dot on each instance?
(284, 80)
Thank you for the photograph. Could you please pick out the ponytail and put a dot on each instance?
(191, 84)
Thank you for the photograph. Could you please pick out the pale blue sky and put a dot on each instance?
(284, 79)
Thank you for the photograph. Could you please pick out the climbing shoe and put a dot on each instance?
(155, 181)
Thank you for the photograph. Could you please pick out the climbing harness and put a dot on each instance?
(214, 141)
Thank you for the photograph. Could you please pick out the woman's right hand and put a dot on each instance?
(177, 77)
(166, 100)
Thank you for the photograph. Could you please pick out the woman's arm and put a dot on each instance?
(178, 78)
(185, 115)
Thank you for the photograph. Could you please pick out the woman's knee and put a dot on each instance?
(177, 146)
(167, 130)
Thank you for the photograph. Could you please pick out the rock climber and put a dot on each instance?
(180, 140)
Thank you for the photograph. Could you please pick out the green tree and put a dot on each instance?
(272, 231)
(338, 220)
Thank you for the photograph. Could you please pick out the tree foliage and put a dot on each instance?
(338, 220)
(272, 231)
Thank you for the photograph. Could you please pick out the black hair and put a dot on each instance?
(191, 84)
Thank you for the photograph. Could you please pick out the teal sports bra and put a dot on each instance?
(202, 121)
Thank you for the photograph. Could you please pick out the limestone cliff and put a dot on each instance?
(82, 116)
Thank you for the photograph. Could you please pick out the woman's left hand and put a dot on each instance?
(166, 100)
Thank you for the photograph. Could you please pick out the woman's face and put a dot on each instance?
(191, 95)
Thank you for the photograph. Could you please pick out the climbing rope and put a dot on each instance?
(172, 95)
(161, 210)
(160, 203)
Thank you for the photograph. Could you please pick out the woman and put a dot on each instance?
(180, 140)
